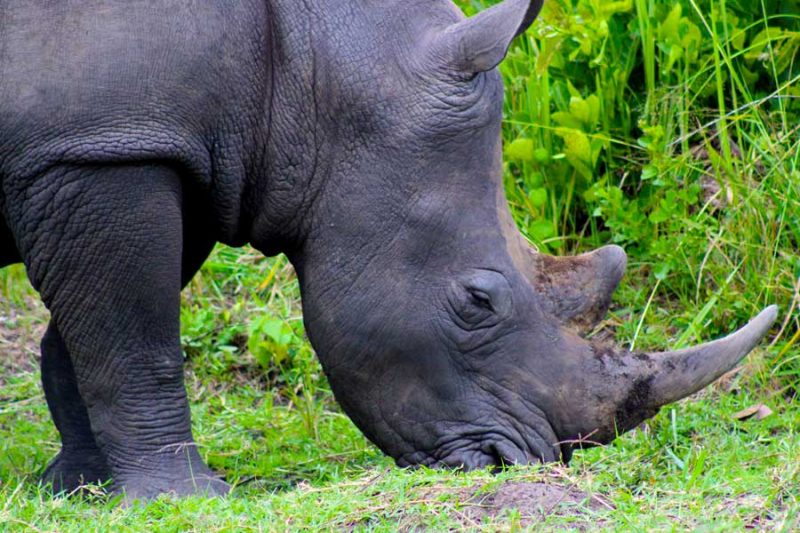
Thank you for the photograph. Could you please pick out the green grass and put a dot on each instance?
(693, 466)
(673, 131)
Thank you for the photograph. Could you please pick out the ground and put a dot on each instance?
(298, 464)
(20, 333)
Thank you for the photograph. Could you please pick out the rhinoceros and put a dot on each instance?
(361, 138)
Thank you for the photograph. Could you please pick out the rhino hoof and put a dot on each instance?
(70, 473)
(149, 488)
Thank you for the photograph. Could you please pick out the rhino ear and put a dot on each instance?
(481, 42)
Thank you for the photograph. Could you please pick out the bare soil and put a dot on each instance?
(535, 501)
(21, 331)
(531, 502)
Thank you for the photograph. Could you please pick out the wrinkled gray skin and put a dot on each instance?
(361, 138)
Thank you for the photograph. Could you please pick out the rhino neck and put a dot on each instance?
(320, 117)
(281, 170)
(294, 162)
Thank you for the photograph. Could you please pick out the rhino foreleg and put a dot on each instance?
(107, 260)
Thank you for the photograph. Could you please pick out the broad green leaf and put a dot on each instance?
(541, 229)
(669, 29)
(541, 155)
(612, 8)
(567, 120)
(587, 111)
(520, 149)
(576, 144)
(579, 109)
(538, 197)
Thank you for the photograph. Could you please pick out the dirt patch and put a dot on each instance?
(21, 331)
(521, 503)
(536, 501)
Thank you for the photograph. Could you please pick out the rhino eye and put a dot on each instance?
(479, 299)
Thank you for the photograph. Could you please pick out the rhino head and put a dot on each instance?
(445, 337)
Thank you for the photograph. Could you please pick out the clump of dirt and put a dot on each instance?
(536, 501)
(486, 505)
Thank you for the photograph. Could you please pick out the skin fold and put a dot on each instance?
(361, 139)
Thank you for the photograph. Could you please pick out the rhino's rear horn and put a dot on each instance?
(684, 372)
(578, 290)
(481, 42)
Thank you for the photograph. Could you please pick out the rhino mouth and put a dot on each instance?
(493, 450)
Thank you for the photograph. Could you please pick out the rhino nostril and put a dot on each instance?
(507, 454)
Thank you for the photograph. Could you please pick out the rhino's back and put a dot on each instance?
(121, 79)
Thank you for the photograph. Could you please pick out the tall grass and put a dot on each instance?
(670, 128)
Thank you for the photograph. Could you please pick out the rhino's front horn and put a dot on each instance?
(684, 372)
(481, 42)
(626, 388)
